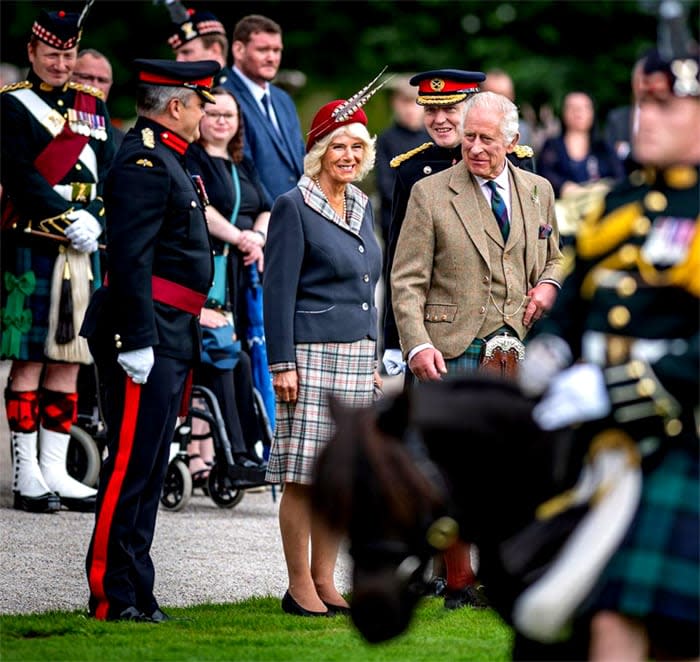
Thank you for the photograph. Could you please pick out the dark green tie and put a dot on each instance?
(500, 211)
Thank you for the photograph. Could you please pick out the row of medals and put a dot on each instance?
(87, 124)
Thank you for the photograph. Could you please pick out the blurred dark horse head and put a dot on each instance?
(404, 478)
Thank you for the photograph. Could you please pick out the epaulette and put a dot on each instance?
(398, 160)
(524, 151)
(22, 85)
(88, 89)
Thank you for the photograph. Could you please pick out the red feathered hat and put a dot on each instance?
(326, 120)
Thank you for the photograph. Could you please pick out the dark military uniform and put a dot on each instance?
(427, 159)
(631, 306)
(159, 273)
(33, 113)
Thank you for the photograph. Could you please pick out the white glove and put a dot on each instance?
(137, 363)
(393, 362)
(545, 356)
(574, 396)
(83, 231)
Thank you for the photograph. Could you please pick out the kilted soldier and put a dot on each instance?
(142, 326)
(56, 148)
(628, 315)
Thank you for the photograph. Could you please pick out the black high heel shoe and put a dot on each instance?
(336, 610)
(291, 606)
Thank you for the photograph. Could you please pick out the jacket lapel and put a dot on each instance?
(523, 198)
(466, 204)
(254, 115)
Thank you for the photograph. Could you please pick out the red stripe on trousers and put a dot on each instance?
(103, 525)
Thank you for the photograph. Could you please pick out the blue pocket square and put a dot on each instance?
(545, 231)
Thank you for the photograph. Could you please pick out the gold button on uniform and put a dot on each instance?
(641, 226)
(646, 387)
(626, 287)
(655, 200)
(618, 316)
(60, 102)
(78, 166)
(118, 344)
(628, 254)
(673, 427)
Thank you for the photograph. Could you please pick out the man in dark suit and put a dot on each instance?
(142, 326)
(273, 136)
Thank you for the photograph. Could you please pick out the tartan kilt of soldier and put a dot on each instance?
(656, 571)
(302, 429)
(20, 256)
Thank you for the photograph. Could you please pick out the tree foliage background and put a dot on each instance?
(549, 46)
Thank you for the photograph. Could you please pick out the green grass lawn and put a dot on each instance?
(253, 630)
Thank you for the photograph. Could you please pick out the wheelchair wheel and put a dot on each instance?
(221, 491)
(83, 459)
(177, 488)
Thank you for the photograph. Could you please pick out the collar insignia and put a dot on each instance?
(148, 138)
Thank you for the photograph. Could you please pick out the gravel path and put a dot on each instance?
(202, 553)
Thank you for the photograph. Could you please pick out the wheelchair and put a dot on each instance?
(227, 481)
(88, 441)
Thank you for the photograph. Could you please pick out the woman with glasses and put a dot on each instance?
(237, 217)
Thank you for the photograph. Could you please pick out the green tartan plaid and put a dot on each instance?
(656, 571)
(467, 362)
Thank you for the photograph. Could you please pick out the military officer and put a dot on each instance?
(142, 326)
(441, 93)
(199, 35)
(56, 144)
(628, 316)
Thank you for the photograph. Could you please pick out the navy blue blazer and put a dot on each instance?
(319, 280)
(279, 160)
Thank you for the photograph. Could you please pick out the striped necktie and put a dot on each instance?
(500, 211)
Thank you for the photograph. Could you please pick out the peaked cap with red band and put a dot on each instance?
(198, 24)
(58, 29)
(445, 87)
(195, 76)
(326, 122)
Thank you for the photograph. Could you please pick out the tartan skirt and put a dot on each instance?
(656, 570)
(302, 428)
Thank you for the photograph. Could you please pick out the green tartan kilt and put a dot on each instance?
(19, 258)
(656, 571)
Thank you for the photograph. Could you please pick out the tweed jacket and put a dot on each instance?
(441, 278)
(279, 159)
